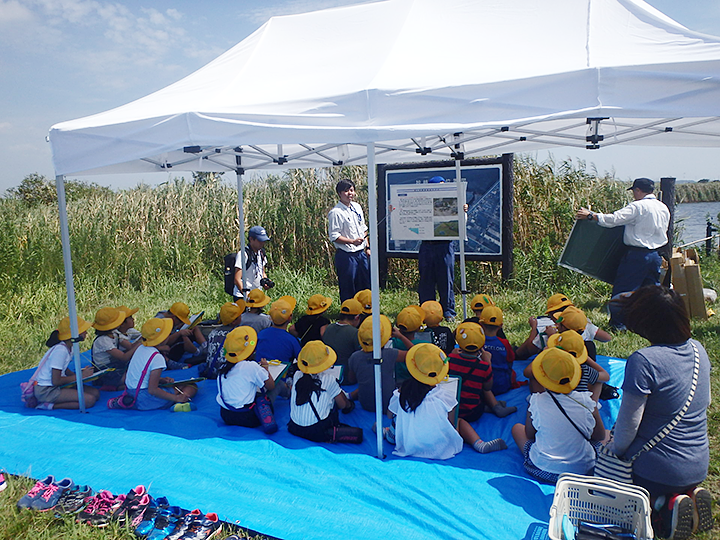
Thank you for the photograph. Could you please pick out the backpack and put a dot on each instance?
(230, 273)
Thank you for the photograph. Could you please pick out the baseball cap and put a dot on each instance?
(258, 232)
(643, 184)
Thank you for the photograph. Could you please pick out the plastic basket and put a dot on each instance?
(598, 500)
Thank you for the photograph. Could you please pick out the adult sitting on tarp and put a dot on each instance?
(347, 231)
(255, 263)
(666, 391)
(646, 222)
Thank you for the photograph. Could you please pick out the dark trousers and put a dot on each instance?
(353, 271)
(638, 267)
(436, 263)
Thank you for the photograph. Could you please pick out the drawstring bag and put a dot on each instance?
(125, 400)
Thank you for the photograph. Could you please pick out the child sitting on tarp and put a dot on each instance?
(441, 336)
(254, 317)
(242, 383)
(183, 339)
(573, 318)
(231, 314)
(362, 365)
(473, 365)
(409, 321)
(342, 336)
(106, 352)
(51, 374)
(276, 343)
(144, 380)
(365, 299)
(424, 412)
(315, 395)
(312, 325)
(503, 356)
(563, 426)
(127, 332)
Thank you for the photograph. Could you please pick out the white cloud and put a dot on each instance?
(14, 12)
(5, 126)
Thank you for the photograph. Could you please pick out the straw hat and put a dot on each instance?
(108, 318)
(365, 299)
(572, 342)
(480, 302)
(155, 331)
(433, 312)
(128, 312)
(64, 328)
(492, 315)
(239, 344)
(556, 370)
(427, 363)
(318, 303)
(280, 312)
(365, 336)
(315, 357)
(470, 337)
(230, 311)
(573, 318)
(351, 307)
(257, 298)
(410, 319)
(181, 311)
(556, 302)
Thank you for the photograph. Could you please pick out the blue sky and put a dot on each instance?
(64, 59)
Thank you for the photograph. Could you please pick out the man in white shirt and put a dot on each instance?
(646, 222)
(347, 231)
(255, 262)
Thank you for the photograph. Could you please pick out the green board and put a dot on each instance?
(593, 250)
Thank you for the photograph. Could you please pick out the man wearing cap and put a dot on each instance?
(646, 222)
(347, 231)
(255, 263)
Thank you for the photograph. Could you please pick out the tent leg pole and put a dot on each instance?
(70, 286)
(241, 225)
(375, 293)
(463, 233)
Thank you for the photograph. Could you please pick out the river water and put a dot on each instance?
(691, 220)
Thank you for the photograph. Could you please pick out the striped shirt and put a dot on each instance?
(303, 415)
(474, 372)
(588, 378)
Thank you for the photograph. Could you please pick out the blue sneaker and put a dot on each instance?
(73, 500)
(146, 526)
(50, 497)
(183, 524)
(35, 492)
(166, 521)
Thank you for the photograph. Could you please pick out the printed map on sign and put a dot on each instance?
(425, 211)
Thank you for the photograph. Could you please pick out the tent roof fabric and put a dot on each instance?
(506, 75)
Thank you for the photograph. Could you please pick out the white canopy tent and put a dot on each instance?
(410, 80)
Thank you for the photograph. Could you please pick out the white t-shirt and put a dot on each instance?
(137, 364)
(241, 384)
(587, 335)
(303, 415)
(426, 432)
(255, 272)
(101, 350)
(58, 357)
(347, 221)
(558, 446)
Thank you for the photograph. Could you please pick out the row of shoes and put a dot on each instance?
(150, 518)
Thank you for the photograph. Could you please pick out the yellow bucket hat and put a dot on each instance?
(128, 312)
(365, 336)
(155, 331)
(492, 315)
(257, 298)
(427, 363)
(315, 357)
(64, 328)
(280, 312)
(239, 344)
(351, 307)
(433, 312)
(470, 337)
(318, 303)
(556, 370)
(573, 318)
(572, 342)
(181, 311)
(365, 299)
(480, 302)
(108, 318)
(410, 319)
(556, 302)
(231, 311)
